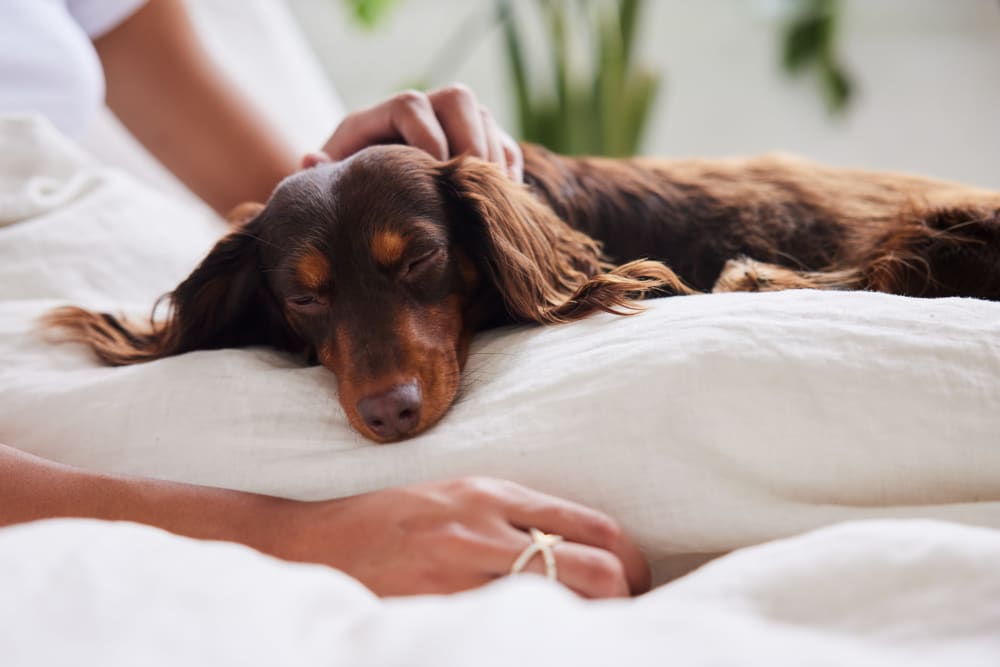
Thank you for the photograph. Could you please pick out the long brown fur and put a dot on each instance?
(546, 271)
(117, 341)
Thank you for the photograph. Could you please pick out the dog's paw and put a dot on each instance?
(747, 275)
(743, 275)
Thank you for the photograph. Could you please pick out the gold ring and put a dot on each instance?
(540, 543)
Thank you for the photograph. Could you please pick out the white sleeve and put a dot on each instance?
(98, 17)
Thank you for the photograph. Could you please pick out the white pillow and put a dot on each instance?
(704, 424)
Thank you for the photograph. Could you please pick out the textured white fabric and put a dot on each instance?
(880, 594)
(705, 424)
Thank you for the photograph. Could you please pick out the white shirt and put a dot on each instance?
(47, 59)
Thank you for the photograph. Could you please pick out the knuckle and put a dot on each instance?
(409, 100)
(457, 93)
(477, 487)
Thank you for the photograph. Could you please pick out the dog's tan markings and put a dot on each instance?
(387, 247)
(326, 355)
(313, 269)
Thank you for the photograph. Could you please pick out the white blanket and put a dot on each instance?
(884, 594)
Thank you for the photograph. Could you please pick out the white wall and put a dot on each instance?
(928, 73)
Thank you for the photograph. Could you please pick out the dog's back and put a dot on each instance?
(870, 230)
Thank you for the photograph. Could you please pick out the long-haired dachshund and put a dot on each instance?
(382, 267)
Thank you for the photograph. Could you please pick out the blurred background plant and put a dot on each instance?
(598, 94)
(891, 84)
(598, 104)
(598, 98)
(809, 42)
(368, 12)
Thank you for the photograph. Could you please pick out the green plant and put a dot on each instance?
(599, 106)
(809, 41)
(369, 12)
(593, 96)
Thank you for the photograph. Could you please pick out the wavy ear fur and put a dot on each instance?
(545, 270)
(223, 303)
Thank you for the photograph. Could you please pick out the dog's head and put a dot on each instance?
(381, 268)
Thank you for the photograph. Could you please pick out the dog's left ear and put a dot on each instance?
(535, 260)
(544, 270)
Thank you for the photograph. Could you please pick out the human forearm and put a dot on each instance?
(171, 96)
(32, 488)
(429, 538)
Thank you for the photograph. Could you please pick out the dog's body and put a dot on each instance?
(382, 267)
(829, 227)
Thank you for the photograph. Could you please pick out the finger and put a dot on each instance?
(515, 158)
(407, 117)
(494, 139)
(414, 119)
(589, 571)
(458, 112)
(526, 508)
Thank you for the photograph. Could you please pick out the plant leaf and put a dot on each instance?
(804, 41)
(370, 12)
(837, 87)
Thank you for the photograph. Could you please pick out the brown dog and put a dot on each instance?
(383, 266)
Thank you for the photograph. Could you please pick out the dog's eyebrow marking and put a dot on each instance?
(313, 269)
(387, 247)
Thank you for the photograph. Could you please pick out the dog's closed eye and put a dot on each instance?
(306, 302)
(422, 261)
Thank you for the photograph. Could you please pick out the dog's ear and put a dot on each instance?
(544, 270)
(223, 303)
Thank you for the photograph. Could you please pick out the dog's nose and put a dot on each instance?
(394, 413)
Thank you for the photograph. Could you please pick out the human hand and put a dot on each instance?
(446, 123)
(449, 536)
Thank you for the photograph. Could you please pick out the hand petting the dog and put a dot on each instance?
(446, 123)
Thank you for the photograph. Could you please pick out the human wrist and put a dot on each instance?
(199, 512)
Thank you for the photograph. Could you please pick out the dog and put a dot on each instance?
(383, 267)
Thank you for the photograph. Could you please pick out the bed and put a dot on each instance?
(858, 430)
